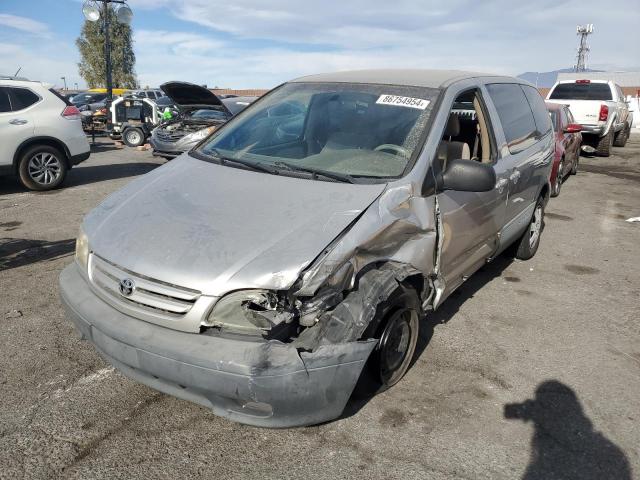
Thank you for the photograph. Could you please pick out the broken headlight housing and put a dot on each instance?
(82, 249)
(253, 312)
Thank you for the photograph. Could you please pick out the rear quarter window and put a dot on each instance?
(515, 115)
(581, 91)
(538, 108)
(22, 98)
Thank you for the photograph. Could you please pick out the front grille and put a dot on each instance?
(150, 295)
(169, 135)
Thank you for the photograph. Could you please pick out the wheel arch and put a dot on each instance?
(545, 192)
(40, 140)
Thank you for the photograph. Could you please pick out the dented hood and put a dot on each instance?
(216, 228)
(188, 96)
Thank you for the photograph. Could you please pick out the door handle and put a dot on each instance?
(515, 176)
(18, 121)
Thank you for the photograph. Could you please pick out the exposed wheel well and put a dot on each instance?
(544, 192)
(50, 141)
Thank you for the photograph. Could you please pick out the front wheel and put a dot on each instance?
(397, 325)
(622, 136)
(528, 244)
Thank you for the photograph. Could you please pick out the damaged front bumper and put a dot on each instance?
(262, 383)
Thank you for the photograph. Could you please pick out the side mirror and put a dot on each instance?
(573, 128)
(468, 176)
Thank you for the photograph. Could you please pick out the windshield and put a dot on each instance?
(208, 114)
(581, 91)
(343, 131)
(89, 97)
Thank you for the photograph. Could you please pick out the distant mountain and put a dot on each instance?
(546, 79)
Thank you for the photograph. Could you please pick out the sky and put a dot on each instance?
(260, 44)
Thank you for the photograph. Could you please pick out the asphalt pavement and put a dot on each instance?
(531, 370)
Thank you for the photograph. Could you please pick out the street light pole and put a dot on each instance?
(92, 13)
(64, 79)
(107, 53)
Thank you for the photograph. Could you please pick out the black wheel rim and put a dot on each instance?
(397, 344)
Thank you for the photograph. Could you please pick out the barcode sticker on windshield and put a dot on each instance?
(410, 102)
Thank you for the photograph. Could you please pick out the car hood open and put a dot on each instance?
(215, 229)
(189, 96)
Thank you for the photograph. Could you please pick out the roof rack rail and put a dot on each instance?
(12, 77)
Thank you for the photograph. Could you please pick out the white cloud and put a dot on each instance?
(266, 43)
(24, 24)
(250, 43)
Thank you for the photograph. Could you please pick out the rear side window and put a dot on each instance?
(5, 105)
(538, 108)
(554, 119)
(581, 91)
(515, 115)
(22, 98)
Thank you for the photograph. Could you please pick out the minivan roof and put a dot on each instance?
(415, 78)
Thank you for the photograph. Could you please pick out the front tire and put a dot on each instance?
(42, 167)
(622, 136)
(133, 137)
(603, 148)
(528, 244)
(396, 327)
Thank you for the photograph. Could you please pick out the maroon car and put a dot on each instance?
(568, 141)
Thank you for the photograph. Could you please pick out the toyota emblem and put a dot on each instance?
(127, 286)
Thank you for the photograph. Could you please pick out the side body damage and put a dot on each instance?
(393, 240)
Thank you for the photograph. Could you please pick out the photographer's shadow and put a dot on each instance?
(565, 445)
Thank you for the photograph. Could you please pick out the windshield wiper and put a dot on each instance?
(342, 177)
(252, 165)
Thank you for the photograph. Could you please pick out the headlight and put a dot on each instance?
(82, 249)
(199, 135)
(249, 312)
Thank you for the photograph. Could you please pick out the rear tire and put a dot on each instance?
(527, 246)
(603, 148)
(133, 137)
(42, 167)
(622, 137)
(557, 185)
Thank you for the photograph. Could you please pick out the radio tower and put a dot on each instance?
(583, 49)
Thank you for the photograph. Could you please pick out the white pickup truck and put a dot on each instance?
(600, 107)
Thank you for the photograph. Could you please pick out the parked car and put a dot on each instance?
(84, 101)
(153, 94)
(201, 112)
(41, 135)
(567, 149)
(263, 272)
(600, 108)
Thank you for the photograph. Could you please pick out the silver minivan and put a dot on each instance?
(261, 273)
